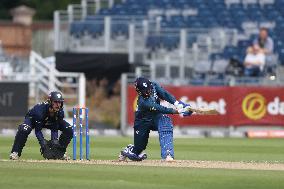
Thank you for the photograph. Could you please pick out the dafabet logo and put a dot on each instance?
(255, 106)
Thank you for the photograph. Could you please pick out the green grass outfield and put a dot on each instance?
(19, 174)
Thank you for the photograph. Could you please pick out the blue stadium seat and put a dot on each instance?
(228, 23)
(194, 23)
(217, 82)
(178, 4)
(255, 15)
(153, 42)
(210, 22)
(248, 80)
(165, 24)
(205, 14)
(268, 7)
(272, 15)
(136, 9)
(119, 29)
(215, 3)
(170, 42)
(191, 40)
(104, 11)
(77, 28)
(253, 37)
(279, 3)
(230, 51)
(253, 7)
(236, 6)
(244, 44)
(238, 14)
(94, 28)
(177, 18)
(129, 2)
(180, 24)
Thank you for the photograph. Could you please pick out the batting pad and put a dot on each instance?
(165, 129)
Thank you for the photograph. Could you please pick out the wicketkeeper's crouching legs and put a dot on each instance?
(165, 129)
(20, 139)
(66, 135)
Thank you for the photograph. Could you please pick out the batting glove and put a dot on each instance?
(182, 109)
(180, 105)
(187, 113)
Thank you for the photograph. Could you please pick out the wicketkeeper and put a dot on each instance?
(50, 115)
(150, 115)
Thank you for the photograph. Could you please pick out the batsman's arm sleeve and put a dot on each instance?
(164, 94)
(152, 106)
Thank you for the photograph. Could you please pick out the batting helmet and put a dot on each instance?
(143, 86)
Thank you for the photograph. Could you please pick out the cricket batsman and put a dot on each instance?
(150, 115)
(50, 115)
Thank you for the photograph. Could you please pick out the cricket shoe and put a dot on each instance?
(142, 156)
(66, 157)
(121, 157)
(14, 156)
(169, 158)
(127, 153)
(130, 155)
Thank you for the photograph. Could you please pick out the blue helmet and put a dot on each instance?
(143, 86)
(55, 96)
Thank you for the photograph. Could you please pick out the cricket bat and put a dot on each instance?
(202, 111)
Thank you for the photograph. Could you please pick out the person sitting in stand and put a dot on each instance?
(254, 62)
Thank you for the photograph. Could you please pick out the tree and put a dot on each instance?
(44, 9)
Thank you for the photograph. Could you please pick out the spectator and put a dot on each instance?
(254, 61)
(264, 42)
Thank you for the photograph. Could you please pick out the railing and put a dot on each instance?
(46, 78)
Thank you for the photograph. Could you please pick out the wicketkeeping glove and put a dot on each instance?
(58, 150)
(46, 150)
(52, 150)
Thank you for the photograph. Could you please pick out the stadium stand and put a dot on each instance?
(11, 66)
(214, 31)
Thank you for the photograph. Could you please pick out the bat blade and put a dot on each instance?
(201, 111)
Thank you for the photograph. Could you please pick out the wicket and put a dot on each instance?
(86, 112)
